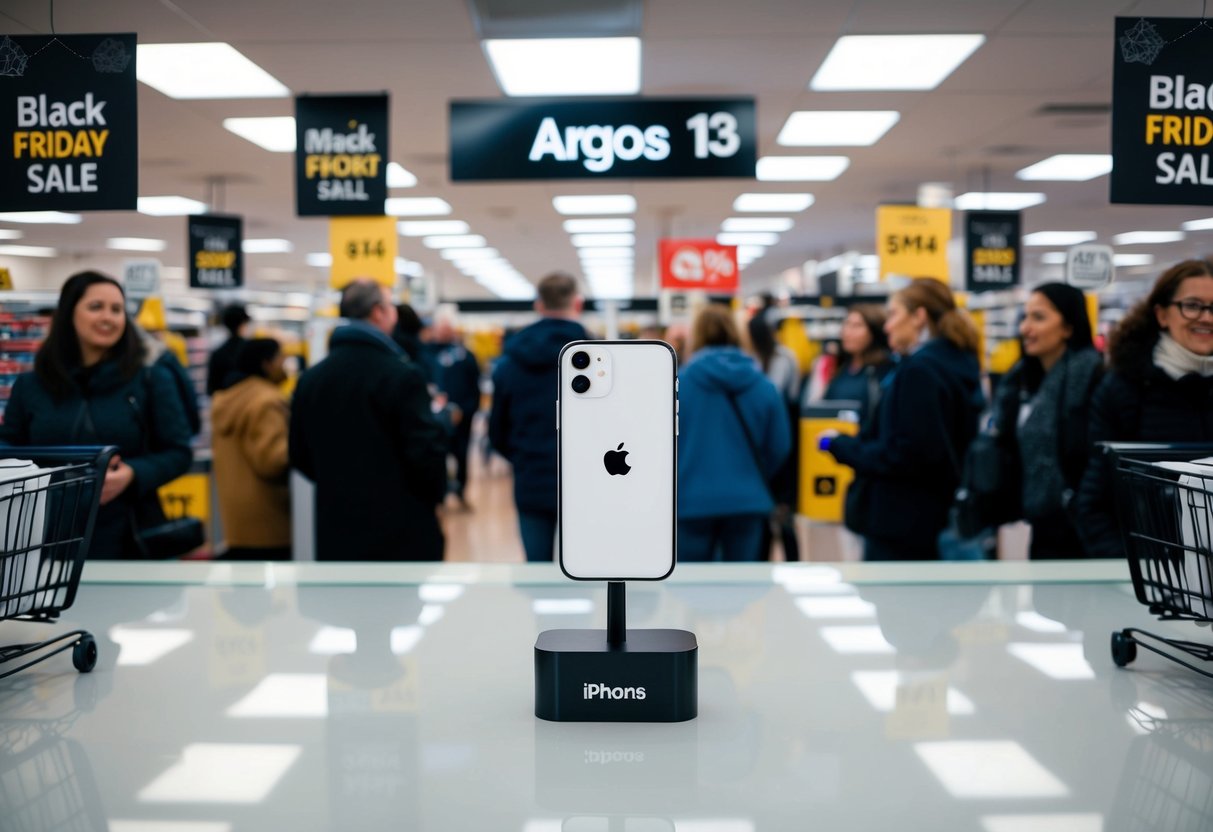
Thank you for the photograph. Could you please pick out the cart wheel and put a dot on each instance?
(1124, 649)
(84, 654)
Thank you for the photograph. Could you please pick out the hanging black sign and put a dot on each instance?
(341, 155)
(1162, 112)
(992, 245)
(627, 138)
(68, 123)
(216, 261)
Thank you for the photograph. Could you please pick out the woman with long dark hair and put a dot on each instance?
(1159, 388)
(908, 458)
(865, 359)
(90, 386)
(1041, 412)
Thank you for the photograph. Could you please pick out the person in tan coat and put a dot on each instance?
(249, 424)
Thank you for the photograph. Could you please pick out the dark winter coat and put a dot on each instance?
(142, 416)
(221, 368)
(456, 372)
(859, 386)
(1136, 402)
(911, 451)
(361, 429)
(522, 425)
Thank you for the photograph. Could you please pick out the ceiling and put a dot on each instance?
(984, 122)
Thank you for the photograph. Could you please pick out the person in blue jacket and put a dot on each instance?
(733, 436)
(908, 458)
(522, 423)
(90, 386)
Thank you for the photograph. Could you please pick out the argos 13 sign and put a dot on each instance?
(1162, 112)
(216, 261)
(602, 138)
(341, 155)
(68, 123)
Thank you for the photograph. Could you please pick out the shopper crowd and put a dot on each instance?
(374, 424)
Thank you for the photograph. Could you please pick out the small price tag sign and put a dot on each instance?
(362, 247)
(913, 241)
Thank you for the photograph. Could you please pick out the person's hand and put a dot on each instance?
(118, 478)
(824, 438)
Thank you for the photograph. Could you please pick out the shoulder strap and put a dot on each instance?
(749, 438)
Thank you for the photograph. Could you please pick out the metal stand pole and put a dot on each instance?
(617, 614)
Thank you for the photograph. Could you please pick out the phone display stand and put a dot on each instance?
(616, 674)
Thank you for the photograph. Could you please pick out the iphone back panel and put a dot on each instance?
(617, 423)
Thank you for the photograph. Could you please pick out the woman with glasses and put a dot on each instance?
(1159, 388)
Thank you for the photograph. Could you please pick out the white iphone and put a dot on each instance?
(617, 417)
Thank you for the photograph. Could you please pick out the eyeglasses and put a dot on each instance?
(1191, 308)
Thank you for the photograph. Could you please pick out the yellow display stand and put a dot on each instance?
(823, 481)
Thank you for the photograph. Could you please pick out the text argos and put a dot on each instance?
(599, 145)
(595, 690)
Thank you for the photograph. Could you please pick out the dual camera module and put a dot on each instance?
(580, 361)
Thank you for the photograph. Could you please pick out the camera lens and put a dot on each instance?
(580, 383)
(581, 359)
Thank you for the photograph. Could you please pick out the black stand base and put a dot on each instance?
(652, 676)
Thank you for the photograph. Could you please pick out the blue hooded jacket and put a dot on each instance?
(522, 424)
(718, 474)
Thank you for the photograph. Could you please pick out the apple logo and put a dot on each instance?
(616, 461)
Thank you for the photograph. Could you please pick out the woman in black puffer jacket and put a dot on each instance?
(1159, 389)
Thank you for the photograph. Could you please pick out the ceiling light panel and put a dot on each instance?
(751, 238)
(893, 62)
(425, 228)
(469, 254)
(170, 206)
(621, 225)
(996, 201)
(454, 241)
(28, 251)
(135, 244)
(836, 128)
(41, 217)
(596, 204)
(604, 253)
(416, 206)
(1058, 238)
(1136, 238)
(398, 177)
(204, 70)
(602, 240)
(321, 259)
(1198, 225)
(772, 203)
(267, 245)
(801, 168)
(1068, 167)
(273, 133)
(566, 66)
(776, 224)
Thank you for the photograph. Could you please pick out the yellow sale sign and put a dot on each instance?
(913, 241)
(362, 247)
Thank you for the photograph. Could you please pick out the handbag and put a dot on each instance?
(856, 504)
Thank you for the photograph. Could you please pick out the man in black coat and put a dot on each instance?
(222, 363)
(455, 371)
(522, 424)
(363, 431)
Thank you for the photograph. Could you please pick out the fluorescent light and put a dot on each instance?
(604, 253)
(170, 206)
(28, 251)
(776, 224)
(1064, 662)
(621, 225)
(454, 241)
(416, 206)
(273, 133)
(404, 639)
(1052, 822)
(41, 217)
(610, 287)
(602, 204)
(752, 238)
(11, 234)
(628, 262)
(996, 769)
(1054, 258)
(602, 240)
(749, 252)
(1198, 225)
(801, 168)
(430, 614)
(409, 268)
(1058, 238)
(285, 696)
(424, 228)
(267, 245)
(1137, 238)
(138, 647)
(856, 640)
(996, 201)
(566, 66)
(320, 258)
(1034, 621)
(432, 593)
(772, 203)
(243, 773)
(136, 244)
(398, 177)
(1132, 259)
(204, 70)
(893, 62)
(466, 254)
(562, 606)
(334, 641)
(835, 606)
(836, 128)
(1068, 167)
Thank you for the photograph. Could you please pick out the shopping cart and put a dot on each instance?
(48, 504)
(1165, 504)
